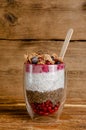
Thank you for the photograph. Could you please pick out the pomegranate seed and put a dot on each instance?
(33, 106)
(35, 110)
(47, 105)
(56, 108)
(51, 104)
(42, 105)
(48, 102)
(49, 108)
(41, 113)
(39, 106)
(46, 114)
(45, 108)
(51, 111)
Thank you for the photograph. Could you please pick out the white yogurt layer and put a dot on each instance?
(43, 82)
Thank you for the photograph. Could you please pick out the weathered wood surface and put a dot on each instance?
(15, 117)
(11, 68)
(25, 22)
(39, 19)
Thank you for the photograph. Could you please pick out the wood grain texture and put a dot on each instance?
(11, 68)
(15, 117)
(39, 19)
(26, 23)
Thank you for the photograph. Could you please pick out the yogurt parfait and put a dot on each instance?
(44, 84)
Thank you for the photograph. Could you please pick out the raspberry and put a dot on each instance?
(60, 66)
(45, 68)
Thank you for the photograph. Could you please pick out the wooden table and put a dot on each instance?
(32, 25)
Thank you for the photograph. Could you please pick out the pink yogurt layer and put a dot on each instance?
(36, 68)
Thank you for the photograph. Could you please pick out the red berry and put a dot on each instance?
(49, 109)
(48, 62)
(45, 108)
(41, 113)
(35, 110)
(48, 101)
(56, 108)
(42, 104)
(52, 111)
(45, 68)
(46, 113)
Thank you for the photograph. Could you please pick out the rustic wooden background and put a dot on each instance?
(37, 24)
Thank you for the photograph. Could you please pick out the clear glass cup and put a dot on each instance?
(45, 91)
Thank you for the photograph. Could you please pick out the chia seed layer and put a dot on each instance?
(39, 97)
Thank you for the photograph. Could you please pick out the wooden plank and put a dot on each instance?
(16, 118)
(12, 52)
(11, 68)
(39, 19)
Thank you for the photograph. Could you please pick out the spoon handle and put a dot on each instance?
(66, 43)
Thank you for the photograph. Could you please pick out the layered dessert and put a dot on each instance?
(44, 83)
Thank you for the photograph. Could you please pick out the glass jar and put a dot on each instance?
(45, 91)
